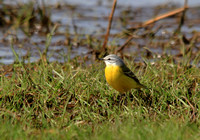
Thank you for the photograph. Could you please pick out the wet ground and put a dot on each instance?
(82, 26)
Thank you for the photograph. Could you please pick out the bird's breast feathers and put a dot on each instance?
(114, 76)
(118, 80)
(112, 73)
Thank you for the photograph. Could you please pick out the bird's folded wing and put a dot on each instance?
(129, 73)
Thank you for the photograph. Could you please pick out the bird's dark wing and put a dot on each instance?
(129, 73)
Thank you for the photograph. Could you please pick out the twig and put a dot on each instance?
(153, 20)
(125, 44)
(131, 36)
(182, 18)
(109, 26)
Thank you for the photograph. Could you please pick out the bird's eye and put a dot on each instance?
(109, 59)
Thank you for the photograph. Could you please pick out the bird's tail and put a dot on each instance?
(143, 86)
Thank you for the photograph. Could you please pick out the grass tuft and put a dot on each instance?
(65, 101)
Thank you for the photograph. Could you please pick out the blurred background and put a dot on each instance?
(80, 27)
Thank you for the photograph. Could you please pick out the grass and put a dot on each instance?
(71, 101)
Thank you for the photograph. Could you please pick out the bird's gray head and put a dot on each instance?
(113, 59)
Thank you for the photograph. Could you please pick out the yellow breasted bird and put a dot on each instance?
(119, 76)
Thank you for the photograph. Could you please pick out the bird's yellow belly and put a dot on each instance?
(118, 80)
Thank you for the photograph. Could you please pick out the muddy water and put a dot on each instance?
(79, 19)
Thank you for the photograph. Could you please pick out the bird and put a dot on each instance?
(119, 76)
